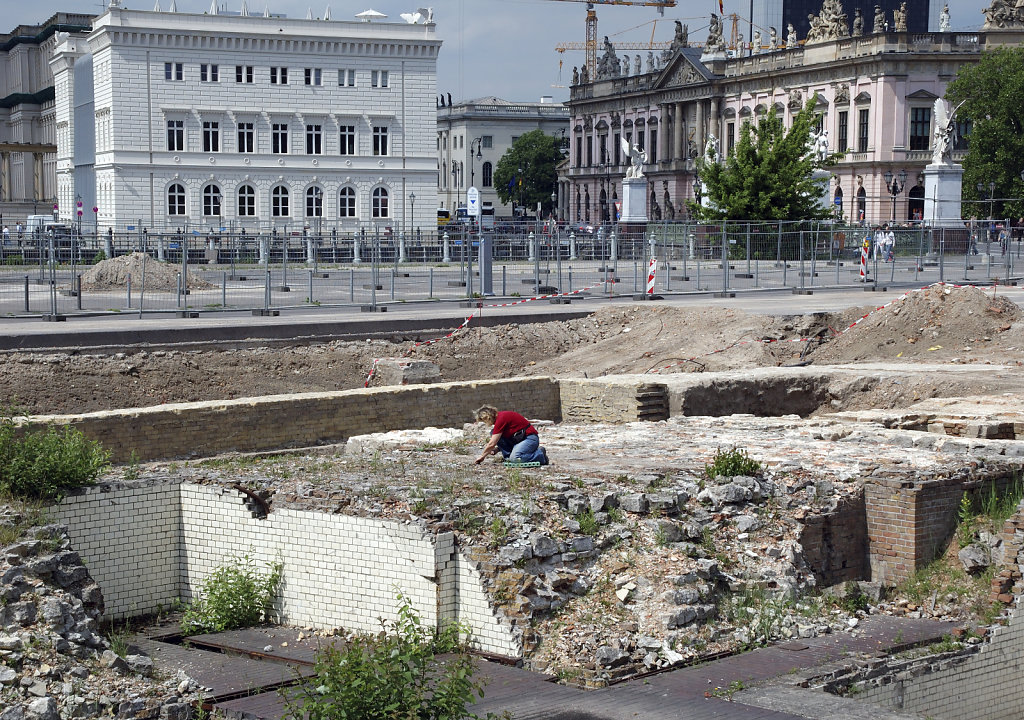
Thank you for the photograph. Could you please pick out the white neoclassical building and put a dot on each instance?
(174, 120)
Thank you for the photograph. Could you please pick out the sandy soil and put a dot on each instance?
(940, 325)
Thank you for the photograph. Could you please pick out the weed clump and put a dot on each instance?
(730, 463)
(235, 595)
(43, 462)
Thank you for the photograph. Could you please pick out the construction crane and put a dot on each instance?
(591, 42)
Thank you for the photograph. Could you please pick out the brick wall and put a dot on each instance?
(984, 686)
(147, 546)
(130, 539)
(601, 401)
(303, 420)
(835, 543)
(910, 522)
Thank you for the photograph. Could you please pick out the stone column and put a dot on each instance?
(700, 136)
(37, 175)
(663, 132)
(678, 139)
(5, 176)
(714, 122)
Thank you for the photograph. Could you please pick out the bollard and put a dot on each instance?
(179, 289)
(572, 246)
(446, 256)
(310, 298)
(26, 294)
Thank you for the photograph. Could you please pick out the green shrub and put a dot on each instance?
(588, 523)
(730, 463)
(391, 675)
(43, 462)
(236, 595)
(99, 257)
(14, 260)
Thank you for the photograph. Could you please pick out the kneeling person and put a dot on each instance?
(513, 435)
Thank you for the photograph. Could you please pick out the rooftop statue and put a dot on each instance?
(1004, 14)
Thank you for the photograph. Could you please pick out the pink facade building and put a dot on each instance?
(875, 97)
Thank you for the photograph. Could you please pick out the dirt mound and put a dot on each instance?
(114, 273)
(639, 339)
(939, 324)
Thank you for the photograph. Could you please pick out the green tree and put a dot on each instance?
(992, 97)
(527, 173)
(768, 174)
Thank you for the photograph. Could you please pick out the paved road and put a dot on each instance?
(119, 329)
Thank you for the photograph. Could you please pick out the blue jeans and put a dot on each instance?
(526, 451)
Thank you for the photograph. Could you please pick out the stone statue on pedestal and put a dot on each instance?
(944, 19)
(637, 158)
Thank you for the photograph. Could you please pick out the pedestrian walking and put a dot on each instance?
(7, 235)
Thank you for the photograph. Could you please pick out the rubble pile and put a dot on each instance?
(115, 272)
(54, 662)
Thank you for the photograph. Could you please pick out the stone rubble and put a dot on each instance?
(55, 663)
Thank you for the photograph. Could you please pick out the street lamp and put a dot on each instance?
(56, 207)
(895, 187)
(472, 171)
(412, 211)
(554, 205)
(991, 197)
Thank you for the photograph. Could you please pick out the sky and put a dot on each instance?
(504, 48)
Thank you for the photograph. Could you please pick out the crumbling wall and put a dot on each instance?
(909, 522)
(130, 539)
(835, 542)
(985, 685)
(152, 543)
(303, 420)
(613, 400)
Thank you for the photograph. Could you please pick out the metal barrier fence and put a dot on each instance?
(49, 275)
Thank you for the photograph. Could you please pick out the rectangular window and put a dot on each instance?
(862, 129)
(347, 78)
(640, 140)
(174, 71)
(348, 140)
(487, 141)
(590, 151)
(211, 136)
(579, 151)
(653, 154)
(615, 149)
(314, 140)
(246, 137)
(379, 78)
(176, 135)
(380, 140)
(314, 76)
(730, 137)
(243, 73)
(920, 128)
(278, 76)
(844, 131)
(279, 138)
(209, 73)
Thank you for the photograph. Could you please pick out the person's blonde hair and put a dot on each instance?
(486, 412)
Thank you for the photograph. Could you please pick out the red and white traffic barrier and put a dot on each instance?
(864, 262)
(652, 271)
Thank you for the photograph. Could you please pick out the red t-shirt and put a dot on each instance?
(508, 423)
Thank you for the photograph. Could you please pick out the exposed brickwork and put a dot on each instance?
(835, 543)
(307, 419)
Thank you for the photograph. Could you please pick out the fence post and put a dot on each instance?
(942, 260)
(224, 288)
(748, 249)
(26, 294)
(725, 258)
(504, 293)
(801, 260)
(351, 285)
(446, 257)
(572, 246)
(77, 280)
(266, 292)
(310, 287)
(430, 284)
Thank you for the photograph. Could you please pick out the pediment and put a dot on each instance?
(683, 71)
(922, 94)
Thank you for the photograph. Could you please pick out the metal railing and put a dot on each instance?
(47, 275)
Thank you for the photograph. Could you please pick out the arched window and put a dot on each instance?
(176, 199)
(347, 202)
(246, 201)
(488, 173)
(862, 204)
(212, 201)
(314, 202)
(379, 205)
(279, 202)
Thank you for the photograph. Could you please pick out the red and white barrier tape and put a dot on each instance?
(373, 369)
